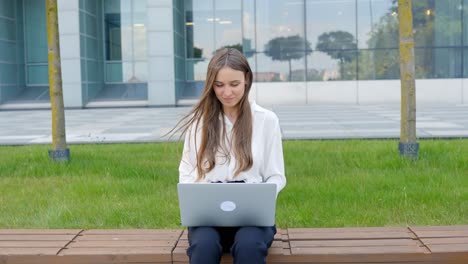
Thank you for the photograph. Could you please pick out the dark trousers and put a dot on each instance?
(247, 244)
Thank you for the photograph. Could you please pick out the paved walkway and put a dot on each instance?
(297, 122)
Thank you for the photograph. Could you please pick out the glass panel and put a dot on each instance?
(180, 69)
(336, 18)
(92, 68)
(7, 8)
(465, 63)
(140, 72)
(447, 22)
(248, 24)
(7, 51)
(437, 23)
(139, 40)
(114, 72)
(199, 21)
(438, 63)
(193, 89)
(465, 23)
(7, 29)
(35, 27)
(91, 26)
(112, 31)
(38, 74)
(330, 66)
(8, 74)
(133, 72)
(228, 27)
(377, 24)
(196, 69)
(90, 6)
(91, 48)
(82, 46)
(379, 64)
(125, 38)
(284, 69)
(276, 19)
(82, 22)
(280, 37)
(84, 76)
(180, 45)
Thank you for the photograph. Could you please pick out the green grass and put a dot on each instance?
(330, 184)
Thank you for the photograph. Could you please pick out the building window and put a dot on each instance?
(125, 41)
(209, 25)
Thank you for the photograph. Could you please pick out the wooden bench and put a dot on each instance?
(415, 245)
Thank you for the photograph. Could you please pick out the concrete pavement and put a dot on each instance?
(119, 125)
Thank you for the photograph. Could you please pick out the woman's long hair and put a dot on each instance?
(207, 112)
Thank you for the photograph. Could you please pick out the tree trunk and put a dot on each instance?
(59, 144)
(408, 145)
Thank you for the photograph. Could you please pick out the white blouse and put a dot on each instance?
(267, 154)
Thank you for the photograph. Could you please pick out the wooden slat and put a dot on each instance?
(348, 235)
(444, 240)
(39, 231)
(130, 237)
(133, 232)
(347, 229)
(440, 228)
(113, 258)
(117, 251)
(356, 250)
(352, 243)
(29, 251)
(449, 248)
(120, 244)
(30, 259)
(438, 233)
(118, 255)
(42, 237)
(32, 244)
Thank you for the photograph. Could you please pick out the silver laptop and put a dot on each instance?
(227, 204)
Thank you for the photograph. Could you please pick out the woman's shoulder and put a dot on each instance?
(269, 116)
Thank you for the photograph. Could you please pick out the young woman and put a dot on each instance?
(229, 139)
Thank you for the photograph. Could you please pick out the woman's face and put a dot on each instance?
(229, 87)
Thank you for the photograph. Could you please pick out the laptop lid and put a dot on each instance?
(227, 204)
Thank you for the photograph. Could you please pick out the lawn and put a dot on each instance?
(330, 184)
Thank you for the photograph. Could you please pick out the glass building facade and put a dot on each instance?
(149, 52)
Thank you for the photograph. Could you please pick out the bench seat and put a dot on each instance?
(371, 245)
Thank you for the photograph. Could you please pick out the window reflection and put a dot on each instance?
(438, 63)
(325, 40)
(280, 41)
(278, 18)
(275, 70)
(321, 66)
(437, 23)
(380, 64)
(377, 24)
(125, 41)
(326, 16)
(210, 26)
